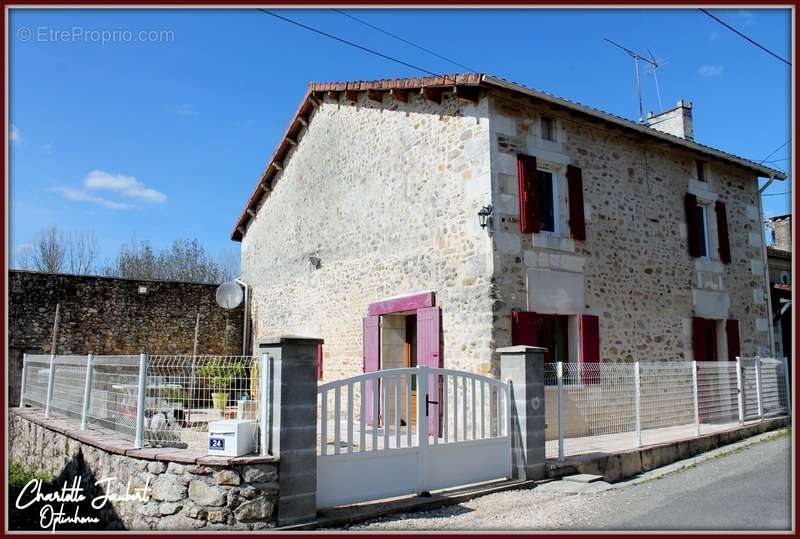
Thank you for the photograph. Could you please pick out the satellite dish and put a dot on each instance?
(229, 295)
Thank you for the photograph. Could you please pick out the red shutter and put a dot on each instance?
(699, 343)
(732, 334)
(526, 180)
(319, 362)
(577, 225)
(692, 226)
(589, 327)
(429, 354)
(372, 359)
(523, 328)
(722, 233)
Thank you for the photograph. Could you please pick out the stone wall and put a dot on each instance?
(633, 271)
(386, 196)
(110, 316)
(181, 497)
(782, 232)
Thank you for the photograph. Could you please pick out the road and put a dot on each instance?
(748, 489)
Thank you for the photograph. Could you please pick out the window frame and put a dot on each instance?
(701, 170)
(705, 234)
(553, 129)
(556, 174)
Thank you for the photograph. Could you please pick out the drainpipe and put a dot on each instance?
(766, 267)
(246, 328)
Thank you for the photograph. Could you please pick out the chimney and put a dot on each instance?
(677, 121)
(781, 232)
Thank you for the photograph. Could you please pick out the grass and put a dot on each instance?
(19, 475)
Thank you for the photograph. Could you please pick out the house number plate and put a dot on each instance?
(216, 443)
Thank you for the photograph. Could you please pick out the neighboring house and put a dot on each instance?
(605, 239)
(779, 260)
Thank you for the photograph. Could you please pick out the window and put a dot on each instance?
(701, 170)
(704, 339)
(548, 128)
(702, 227)
(545, 197)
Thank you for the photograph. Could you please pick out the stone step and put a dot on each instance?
(583, 478)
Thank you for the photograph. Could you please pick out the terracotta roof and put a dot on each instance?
(466, 86)
(781, 286)
(778, 253)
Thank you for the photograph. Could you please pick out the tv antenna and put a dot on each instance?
(653, 64)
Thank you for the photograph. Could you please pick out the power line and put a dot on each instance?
(729, 27)
(346, 42)
(407, 42)
(776, 150)
(776, 194)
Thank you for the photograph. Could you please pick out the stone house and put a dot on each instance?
(433, 220)
(779, 262)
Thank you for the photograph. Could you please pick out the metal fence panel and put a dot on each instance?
(185, 393)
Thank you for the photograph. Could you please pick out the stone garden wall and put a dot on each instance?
(112, 316)
(198, 494)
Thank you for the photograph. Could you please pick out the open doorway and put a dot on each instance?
(399, 350)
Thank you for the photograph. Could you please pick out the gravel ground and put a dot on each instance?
(747, 489)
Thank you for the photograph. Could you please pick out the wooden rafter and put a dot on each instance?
(400, 95)
(351, 95)
(432, 94)
(468, 93)
(375, 95)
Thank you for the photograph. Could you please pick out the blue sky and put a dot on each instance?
(164, 137)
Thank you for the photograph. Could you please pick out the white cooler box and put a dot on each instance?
(231, 437)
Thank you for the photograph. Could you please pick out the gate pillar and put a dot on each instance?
(294, 429)
(522, 367)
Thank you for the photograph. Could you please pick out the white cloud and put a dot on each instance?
(713, 36)
(79, 195)
(23, 247)
(14, 134)
(707, 70)
(185, 110)
(128, 186)
(47, 149)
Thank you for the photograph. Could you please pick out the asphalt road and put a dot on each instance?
(749, 489)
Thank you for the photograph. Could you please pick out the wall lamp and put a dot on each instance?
(314, 261)
(485, 216)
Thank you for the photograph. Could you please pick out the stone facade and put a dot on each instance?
(182, 497)
(385, 195)
(110, 316)
(633, 270)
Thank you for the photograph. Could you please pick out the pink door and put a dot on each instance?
(429, 354)
(372, 362)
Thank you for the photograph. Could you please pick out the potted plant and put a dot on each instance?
(176, 397)
(220, 375)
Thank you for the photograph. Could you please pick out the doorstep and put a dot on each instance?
(619, 465)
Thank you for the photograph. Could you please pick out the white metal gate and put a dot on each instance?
(403, 451)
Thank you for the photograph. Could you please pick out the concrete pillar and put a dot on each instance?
(523, 368)
(295, 358)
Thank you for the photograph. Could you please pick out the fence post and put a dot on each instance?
(139, 442)
(758, 388)
(739, 388)
(265, 408)
(695, 400)
(50, 382)
(22, 382)
(522, 367)
(422, 425)
(637, 403)
(294, 423)
(788, 386)
(87, 390)
(560, 409)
